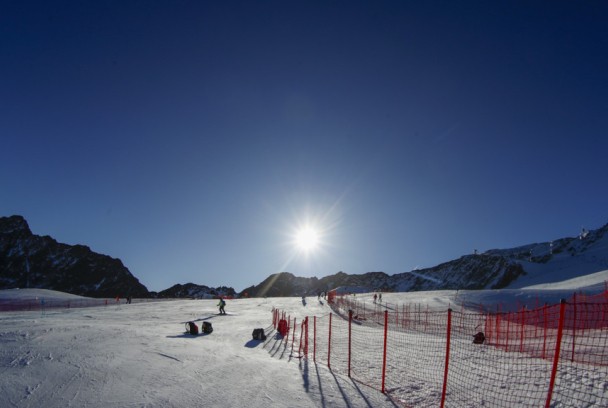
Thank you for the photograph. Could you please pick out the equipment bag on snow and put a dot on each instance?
(207, 328)
(191, 328)
(282, 328)
(258, 334)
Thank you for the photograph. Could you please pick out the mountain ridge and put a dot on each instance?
(33, 261)
(511, 268)
(29, 260)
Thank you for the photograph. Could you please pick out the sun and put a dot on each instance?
(307, 239)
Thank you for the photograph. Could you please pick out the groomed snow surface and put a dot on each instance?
(138, 355)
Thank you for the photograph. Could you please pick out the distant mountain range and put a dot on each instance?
(192, 290)
(518, 267)
(34, 261)
(28, 260)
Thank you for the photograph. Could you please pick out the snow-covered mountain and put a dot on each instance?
(561, 259)
(532, 264)
(28, 260)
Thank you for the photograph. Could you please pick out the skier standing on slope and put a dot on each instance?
(221, 305)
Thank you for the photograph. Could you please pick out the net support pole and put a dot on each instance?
(558, 344)
(306, 339)
(329, 345)
(350, 325)
(522, 332)
(384, 351)
(293, 334)
(301, 347)
(447, 358)
(574, 323)
(545, 322)
(314, 339)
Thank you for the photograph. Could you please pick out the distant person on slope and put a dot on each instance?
(221, 305)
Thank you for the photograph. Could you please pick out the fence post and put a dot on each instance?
(314, 339)
(497, 328)
(545, 321)
(574, 325)
(397, 315)
(293, 336)
(329, 344)
(447, 358)
(306, 339)
(522, 330)
(558, 343)
(509, 317)
(301, 347)
(384, 353)
(487, 326)
(350, 325)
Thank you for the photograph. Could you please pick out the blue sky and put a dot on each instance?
(192, 139)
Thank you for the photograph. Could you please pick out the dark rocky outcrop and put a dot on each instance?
(33, 261)
(194, 291)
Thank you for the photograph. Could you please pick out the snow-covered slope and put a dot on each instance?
(514, 268)
(138, 354)
(563, 259)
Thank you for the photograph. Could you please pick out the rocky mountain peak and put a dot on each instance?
(33, 261)
(14, 224)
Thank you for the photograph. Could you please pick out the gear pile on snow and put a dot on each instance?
(283, 328)
(258, 334)
(191, 328)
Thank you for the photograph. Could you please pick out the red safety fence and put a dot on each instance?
(17, 305)
(554, 356)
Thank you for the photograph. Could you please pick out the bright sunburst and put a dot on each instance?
(307, 239)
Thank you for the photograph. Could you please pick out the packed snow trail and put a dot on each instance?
(139, 355)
